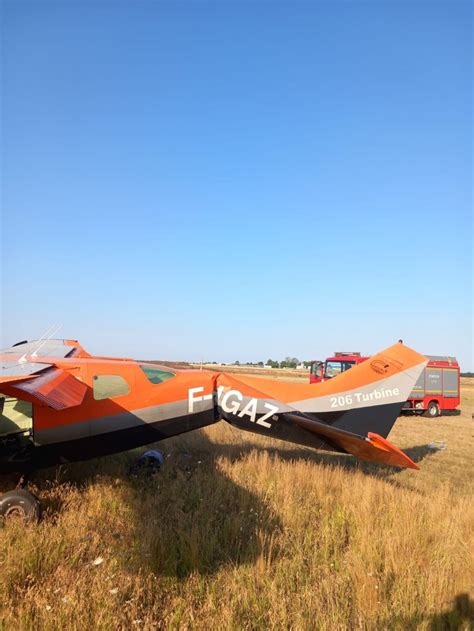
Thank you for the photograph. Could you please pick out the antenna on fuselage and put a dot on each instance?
(43, 336)
(42, 342)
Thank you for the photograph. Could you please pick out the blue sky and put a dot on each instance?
(239, 180)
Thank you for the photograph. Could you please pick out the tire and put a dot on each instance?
(20, 504)
(432, 410)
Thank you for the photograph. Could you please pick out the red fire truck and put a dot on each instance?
(436, 391)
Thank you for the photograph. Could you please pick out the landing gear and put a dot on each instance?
(20, 504)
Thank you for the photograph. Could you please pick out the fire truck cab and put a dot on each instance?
(436, 391)
(333, 366)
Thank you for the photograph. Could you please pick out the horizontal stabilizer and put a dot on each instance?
(372, 447)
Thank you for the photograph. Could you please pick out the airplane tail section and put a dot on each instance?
(352, 413)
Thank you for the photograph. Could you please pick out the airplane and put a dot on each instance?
(60, 404)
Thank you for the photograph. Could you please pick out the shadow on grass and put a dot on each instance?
(459, 616)
(190, 517)
(187, 518)
(345, 461)
(461, 612)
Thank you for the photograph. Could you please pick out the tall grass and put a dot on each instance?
(238, 532)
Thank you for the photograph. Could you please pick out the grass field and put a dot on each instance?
(241, 532)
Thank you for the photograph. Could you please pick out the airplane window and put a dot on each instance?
(109, 387)
(156, 375)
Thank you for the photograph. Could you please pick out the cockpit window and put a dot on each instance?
(317, 369)
(334, 368)
(109, 387)
(347, 365)
(155, 374)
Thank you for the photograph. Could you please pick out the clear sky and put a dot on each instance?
(238, 180)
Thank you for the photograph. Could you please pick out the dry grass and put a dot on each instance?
(285, 374)
(242, 532)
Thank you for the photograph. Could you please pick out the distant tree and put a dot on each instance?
(237, 363)
(289, 362)
(260, 364)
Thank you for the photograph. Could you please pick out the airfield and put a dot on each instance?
(241, 532)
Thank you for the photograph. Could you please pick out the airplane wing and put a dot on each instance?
(54, 387)
(352, 413)
(22, 372)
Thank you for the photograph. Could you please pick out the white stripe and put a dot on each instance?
(393, 389)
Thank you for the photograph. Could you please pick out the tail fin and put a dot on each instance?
(352, 413)
(370, 396)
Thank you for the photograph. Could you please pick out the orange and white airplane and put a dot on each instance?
(60, 404)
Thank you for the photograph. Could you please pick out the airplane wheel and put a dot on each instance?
(20, 504)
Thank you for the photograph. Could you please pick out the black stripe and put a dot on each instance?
(37, 457)
(377, 418)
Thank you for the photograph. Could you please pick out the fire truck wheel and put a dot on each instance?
(20, 504)
(432, 410)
